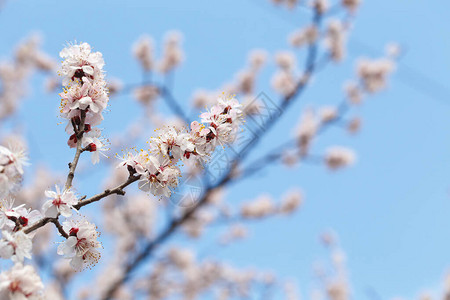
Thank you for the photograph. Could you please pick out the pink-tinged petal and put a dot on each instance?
(77, 263)
(88, 70)
(94, 108)
(65, 211)
(50, 194)
(144, 185)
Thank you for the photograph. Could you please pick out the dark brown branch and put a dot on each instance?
(37, 225)
(83, 202)
(117, 190)
(79, 131)
(60, 228)
(44, 221)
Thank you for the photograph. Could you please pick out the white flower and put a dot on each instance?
(285, 60)
(172, 54)
(15, 156)
(16, 246)
(158, 166)
(143, 51)
(12, 161)
(159, 179)
(284, 82)
(328, 113)
(307, 129)
(351, 5)
(339, 157)
(374, 73)
(85, 93)
(8, 214)
(59, 202)
(307, 35)
(20, 283)
(291, 201)
(134, 161)
(258, 208)
(335, 40)
(92, 96)
(13, 218)
(79, 62)
(81, 246)
(171, 144)
(94, 144)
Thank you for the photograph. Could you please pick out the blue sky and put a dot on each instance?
(390, 210)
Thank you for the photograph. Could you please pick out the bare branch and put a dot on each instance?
(117, 190)
(83, 202)
(79, 134)
(173, 104)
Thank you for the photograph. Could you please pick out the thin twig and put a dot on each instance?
(83, 202)
(119, 190)
(79, 134)
(276, 154)
(60, 228)
(173, 104)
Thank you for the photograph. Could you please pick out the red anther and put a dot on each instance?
(73, 137)
(87, 127)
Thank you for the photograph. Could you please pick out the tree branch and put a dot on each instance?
(275, 154)
(83, 202)
(117, 190)
(176, 223)
(173, 104)
(79, 134)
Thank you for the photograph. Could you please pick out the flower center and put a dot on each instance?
(57, 202)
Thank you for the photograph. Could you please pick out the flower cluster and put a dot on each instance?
(351, 5)
(15, 244)
(19, 283)
(284, 81)
(84, 97)
(264, 206)
(374, 73)
(304, 36)
(81, 245)
(158, 166)
(338, 157)
(335, 40)
(243, 84)
(14, 74)
(12, 162)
